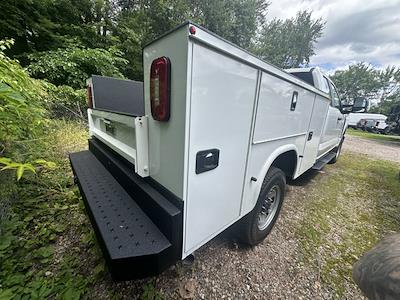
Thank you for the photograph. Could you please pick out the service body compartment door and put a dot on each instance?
(222, 98)
(315, 131)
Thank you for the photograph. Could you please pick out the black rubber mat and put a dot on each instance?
(123, 228)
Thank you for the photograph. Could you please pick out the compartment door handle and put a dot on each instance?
(293, 104)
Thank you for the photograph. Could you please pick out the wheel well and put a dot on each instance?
(286, 162)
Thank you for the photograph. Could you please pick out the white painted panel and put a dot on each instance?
(274, 119)
(261, 157)
(317, 121)
(233, 50)
(167, 139)
(121, 137)
(222, 98)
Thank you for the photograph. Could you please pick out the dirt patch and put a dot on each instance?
(373, 148)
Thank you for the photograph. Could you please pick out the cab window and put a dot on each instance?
(335, 100)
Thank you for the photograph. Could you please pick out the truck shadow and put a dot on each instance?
(304, 179)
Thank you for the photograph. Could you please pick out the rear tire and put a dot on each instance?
(387, 130)
(258, 223)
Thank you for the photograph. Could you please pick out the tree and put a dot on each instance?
(27, 22)
(235, 20)
(38, 25)
(389, 83)
(361, 80)
(358, 81)
(289, 43)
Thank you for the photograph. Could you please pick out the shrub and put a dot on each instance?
(72, 66)
(66, 103)
(22, 102)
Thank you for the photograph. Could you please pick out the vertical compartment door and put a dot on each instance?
(222, 98)
(315, 131)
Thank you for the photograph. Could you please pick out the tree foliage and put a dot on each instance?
(235, 20)
(361, 80)
(45, 29)
(72, 66)
(22, 112)
(139, 22)
(289, 43)
(38, 25)
(358, 81)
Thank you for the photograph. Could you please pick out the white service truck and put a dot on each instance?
(211, 145)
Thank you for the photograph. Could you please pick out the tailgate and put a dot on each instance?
(126, 135)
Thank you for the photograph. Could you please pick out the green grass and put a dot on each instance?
(349, 209)
(373, 136)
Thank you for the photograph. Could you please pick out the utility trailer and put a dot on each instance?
(220, 132)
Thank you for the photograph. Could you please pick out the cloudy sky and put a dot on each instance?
(356, 30)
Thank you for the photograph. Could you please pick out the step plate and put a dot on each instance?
(320, 163)
(123, 229)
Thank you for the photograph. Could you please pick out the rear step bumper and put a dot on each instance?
(136, 241)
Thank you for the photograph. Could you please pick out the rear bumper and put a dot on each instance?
(138, 228)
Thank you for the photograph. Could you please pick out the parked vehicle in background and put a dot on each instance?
(383, 127)
(218, 134)
(375, 126)
(366, 124)
(354, 118)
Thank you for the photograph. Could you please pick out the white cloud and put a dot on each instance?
(356, 30)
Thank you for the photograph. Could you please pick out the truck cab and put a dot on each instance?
(335, 121)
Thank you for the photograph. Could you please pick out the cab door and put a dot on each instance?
(333, 124)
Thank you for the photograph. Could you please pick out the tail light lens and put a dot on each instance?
(89, 96)
(160, 74)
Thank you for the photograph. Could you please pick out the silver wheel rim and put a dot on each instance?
(269, 207)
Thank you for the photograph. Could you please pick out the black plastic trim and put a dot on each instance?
(132, 244)
(158, 207)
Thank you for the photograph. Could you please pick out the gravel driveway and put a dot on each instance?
(272, 270)
(225, 270)
(374, 149)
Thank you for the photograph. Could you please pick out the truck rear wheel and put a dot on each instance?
(259, 222)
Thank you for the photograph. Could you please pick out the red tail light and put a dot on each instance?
(160, 74)
(89, 96)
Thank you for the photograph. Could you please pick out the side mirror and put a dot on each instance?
(360, 105)
(347, 108)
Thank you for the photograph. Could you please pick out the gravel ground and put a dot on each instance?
(272, 270)
(225, 270)
(373, 148)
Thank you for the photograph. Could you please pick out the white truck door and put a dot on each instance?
(333, 125)
(221, 107)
